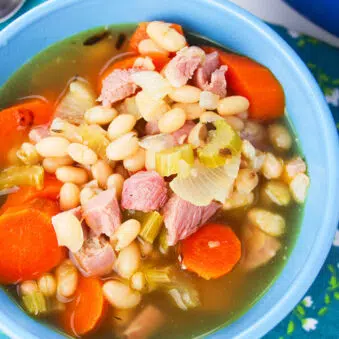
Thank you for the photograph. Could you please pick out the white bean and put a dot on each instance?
(50, 165)
(150, 159)
(209, 116)
(246, 181)
(248, 150)
(279, 137)
(198, 135)
(277, 192)
(208, 100)
(165, 36)
(28, 287)
(101, 170)
(272, 167)
(120, 295)
(172, 120)
(82, 154)
(86, 194)
(126, 234)
(100, 115)
(293, 167)
(299, 186)
(270, 223)
(116, 181)
(237, 200)
(193, 111)
(123, 147)
(145, 63)
(121, 125)
(128, 261)
(233, 105)
(186, 94)
(69, 196)
(138, 281)
(235, 122)
(47, 285)
(76, 175)
(148, 46)
(67, 279)
(52, 147)
(136, 162)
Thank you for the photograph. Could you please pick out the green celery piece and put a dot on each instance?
(168, 160)
(35, 303)
(22, 176)
(224, 141)
(150, 226)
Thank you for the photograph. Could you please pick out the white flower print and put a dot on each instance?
(333, 98)
(336, 239)
(307, 301)
(309, 324)
(293, 34)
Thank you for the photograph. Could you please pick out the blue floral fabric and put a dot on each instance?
(317, 314)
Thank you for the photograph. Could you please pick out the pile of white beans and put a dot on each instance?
(85, 174)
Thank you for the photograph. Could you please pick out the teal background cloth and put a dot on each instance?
(317, 314)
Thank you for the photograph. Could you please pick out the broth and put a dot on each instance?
(223, 300)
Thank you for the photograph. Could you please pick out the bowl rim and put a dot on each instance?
(321, 245)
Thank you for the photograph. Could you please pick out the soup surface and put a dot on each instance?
(162, 277)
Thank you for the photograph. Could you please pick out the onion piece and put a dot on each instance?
(207, 184)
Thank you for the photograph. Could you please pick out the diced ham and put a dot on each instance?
(182, 134)
(95, 258)
(259, 247)
(203, 74)
(218, 83)
(181, 68)
(102, 213)
(211, 77)
(117, 86)
(183, 218)
(144, 191)
(38, 133)
(152, 128)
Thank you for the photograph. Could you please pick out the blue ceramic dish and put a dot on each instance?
(240, 31)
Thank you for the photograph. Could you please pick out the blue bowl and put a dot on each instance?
(233, 27)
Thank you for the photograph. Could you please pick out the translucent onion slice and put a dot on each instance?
(77, 100)
(207, 184)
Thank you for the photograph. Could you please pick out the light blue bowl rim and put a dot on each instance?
(330, 211)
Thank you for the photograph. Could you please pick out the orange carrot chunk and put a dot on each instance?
(141, 34)
(212, 251)
(51, 190)
(16, 121)
(87, 309)
(255, 82)
(28, 244)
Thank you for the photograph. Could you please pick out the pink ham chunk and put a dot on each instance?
(183, 218)
(102, 213)
(95, 258)
(117, 86)
(38, 133)
(211, 77)
(181, 69)
(182, 134)
(144, 191)
(152, 128)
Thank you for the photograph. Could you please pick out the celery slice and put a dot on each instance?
(94, 137)
(28, 154)
(22, 176)
(168, 160)
(207, 184)
(224, 142)
(163, 244)
(151, 226)
(35, 303)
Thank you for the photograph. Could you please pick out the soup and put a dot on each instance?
(152, 185)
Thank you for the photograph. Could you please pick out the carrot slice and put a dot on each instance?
(255, 82)
(212, 251)
(141, 34)
(16, 121)
(87, 309)
(51, 190)
(28, 244)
